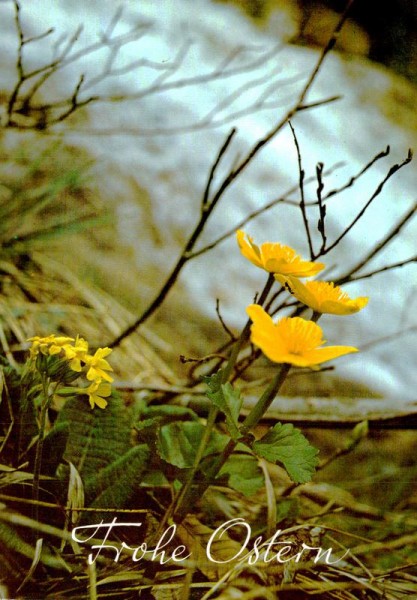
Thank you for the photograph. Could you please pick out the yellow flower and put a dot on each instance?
(76, 353)
(97, 366)
(48, 345)
(291, 340)
(97, 392)
(276, 258)
(323, 296)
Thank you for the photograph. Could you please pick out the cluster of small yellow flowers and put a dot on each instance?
(75, 353)
(294, 340)
(49, 345)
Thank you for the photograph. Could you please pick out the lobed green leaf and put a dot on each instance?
(287, 445)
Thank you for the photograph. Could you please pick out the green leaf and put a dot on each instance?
(53, 448)
(288, 508)
(169, 412)
(286, 445)
(227, 399)
(178, 443)
(10, 539)
(244, 473)
(97, 437)
(114, 486)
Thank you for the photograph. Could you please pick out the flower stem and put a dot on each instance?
(249, 423)
(39, 446)
(254, 416)
(265, 400)
(244, 336)
(186, 491)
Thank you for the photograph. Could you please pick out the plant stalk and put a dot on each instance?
(39, 446)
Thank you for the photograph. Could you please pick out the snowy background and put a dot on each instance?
(166, 137)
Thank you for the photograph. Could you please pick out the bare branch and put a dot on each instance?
(355, 178)
(107, 34)
(19, 63)
(181, 261)
(318, 103)
(322, 208)
(379, 189)
(205, 202)
(223, 324)
(380, 246)
(302, 205)
(251, 216)
(186, 128)
(218, 73)
(46, 114)
(224, 185)
(390, 267)
(239, 225)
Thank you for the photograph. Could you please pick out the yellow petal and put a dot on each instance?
(323, 296)
(249, 249)
(298, 289)
(320, 355)
(291, 340)
(101, 402)
(276, 258)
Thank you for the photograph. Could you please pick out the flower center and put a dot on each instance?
(299, 335)
(324, 290)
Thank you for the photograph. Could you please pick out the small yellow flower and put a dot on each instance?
(48, 345)
(97, 366)
(323, 296)
(291, 340)
(276, 258)
(97, 392)
(76, 353)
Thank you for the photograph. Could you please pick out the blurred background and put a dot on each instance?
(384, 32)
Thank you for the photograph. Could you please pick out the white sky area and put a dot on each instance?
(261, 75)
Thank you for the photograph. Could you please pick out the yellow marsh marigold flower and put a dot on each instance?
(97, 366)
(97, 392)
(48, 345)
(291, 340)
(276, 258)
(323, 296)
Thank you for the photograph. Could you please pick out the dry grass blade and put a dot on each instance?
(196, 536)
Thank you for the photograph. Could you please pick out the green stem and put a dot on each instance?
(254, 416)
(186, 491)
(39, 446)
(244, 336)
(211, 419)
(265, 400)
(252, 419)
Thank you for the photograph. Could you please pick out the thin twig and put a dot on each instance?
(206, 195)
(378, 190)
(192, 127)
(358, 175)
(185, 256)
(251, 216)
(322, 209)
(225, 184)
(302, 204)
(380, 246)
(223, 324)
(390, 267)
(19, 64)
